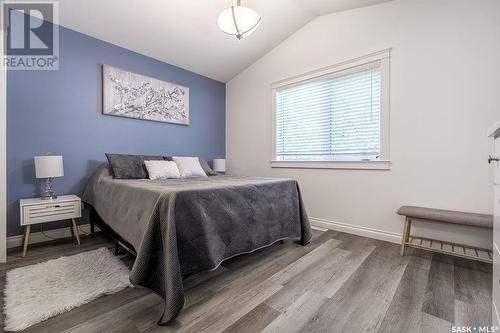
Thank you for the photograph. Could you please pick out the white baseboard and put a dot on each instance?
(317, 223)
(38, 237)
(315, 227)
(387, 236)
(496, 314)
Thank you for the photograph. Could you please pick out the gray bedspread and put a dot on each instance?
(185, 226)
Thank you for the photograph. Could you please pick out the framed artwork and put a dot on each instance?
(132, 95)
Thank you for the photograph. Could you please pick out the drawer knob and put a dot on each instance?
(57, 206)
(491, 159)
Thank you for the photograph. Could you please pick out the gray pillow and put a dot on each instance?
(129, 166)
(204, 165)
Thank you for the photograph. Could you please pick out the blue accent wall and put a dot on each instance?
(60, 112)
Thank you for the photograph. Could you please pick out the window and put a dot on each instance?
(336, 115)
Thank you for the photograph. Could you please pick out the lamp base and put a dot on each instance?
(48, 193)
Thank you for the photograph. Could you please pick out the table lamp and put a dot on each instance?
(219, 165)
(48, 167)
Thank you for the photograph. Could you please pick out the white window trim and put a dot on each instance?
(383, 163)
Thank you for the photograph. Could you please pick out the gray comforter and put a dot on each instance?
(185, 226)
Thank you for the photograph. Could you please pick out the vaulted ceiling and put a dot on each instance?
(184, 32)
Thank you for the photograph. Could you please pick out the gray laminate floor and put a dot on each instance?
(338, 283)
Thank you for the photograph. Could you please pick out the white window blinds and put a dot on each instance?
(330, 118)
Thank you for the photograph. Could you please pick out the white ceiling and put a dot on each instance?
(184, 32)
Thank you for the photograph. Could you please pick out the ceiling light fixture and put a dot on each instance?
(238, 21)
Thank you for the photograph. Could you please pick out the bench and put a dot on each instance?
(450, 217)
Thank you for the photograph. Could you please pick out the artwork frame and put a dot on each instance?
(137, 96)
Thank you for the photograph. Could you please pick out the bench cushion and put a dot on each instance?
(448, 216)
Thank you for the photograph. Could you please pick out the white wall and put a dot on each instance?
(445, 94)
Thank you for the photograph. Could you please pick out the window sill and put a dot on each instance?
(361, 165)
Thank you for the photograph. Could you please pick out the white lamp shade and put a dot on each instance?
(49, 166)
(219, 165)
(242, 24)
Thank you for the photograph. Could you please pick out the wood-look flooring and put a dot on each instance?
(338, 283)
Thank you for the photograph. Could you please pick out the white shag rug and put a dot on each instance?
(37, 292)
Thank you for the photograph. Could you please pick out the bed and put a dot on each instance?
(180, 227)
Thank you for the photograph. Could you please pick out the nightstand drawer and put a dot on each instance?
(51, 211)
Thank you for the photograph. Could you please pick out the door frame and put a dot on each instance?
(3, 155)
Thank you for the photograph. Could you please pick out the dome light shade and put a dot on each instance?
(238, 21)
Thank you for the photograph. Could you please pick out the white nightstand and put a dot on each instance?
(36, 210)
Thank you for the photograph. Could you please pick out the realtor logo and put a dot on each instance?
(32, 35)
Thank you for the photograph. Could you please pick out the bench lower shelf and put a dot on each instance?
(458, 250)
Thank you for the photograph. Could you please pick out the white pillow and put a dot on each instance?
(162, 169)
(189, 167)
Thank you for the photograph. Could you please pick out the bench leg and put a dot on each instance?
(406, 235)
